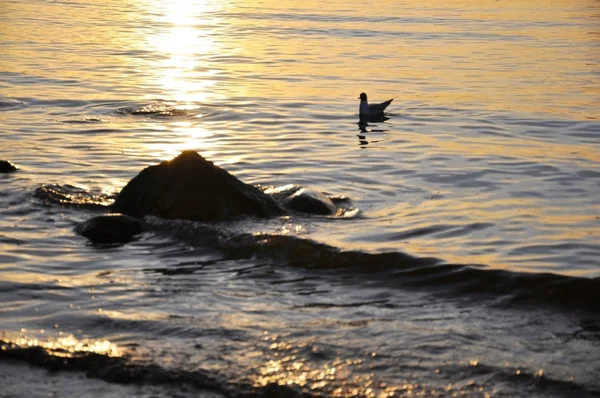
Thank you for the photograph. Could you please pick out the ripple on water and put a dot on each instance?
(9, 103)
(487, 158)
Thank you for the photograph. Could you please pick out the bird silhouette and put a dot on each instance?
(370, 111)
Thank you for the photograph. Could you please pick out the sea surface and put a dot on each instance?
(470, 265)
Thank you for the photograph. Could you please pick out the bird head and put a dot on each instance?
(363, 97)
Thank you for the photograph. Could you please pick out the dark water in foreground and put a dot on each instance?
(471, 267)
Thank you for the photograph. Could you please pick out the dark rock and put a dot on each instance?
(282, 192)
(310, 201)
(192, 188)
(7, 167)
(110, 228)
(275, 390)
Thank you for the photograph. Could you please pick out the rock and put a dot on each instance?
(305, 200)
(282, 192)
(310, 201)
(7, 167)
(275, 390)
(110, 228)
(190, 187)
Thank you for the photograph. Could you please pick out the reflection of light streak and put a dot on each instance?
(184, 41)
(185, 135)
(69, 346)
(184, 74)
(335, 378)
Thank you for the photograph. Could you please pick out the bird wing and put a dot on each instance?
(380, 107)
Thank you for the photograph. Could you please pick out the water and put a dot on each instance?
(472, 267)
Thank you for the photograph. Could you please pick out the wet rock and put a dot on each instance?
(110, 228)
(190, 187)
(310, 201)
(7, 167)
(275, 390)
(282, 192)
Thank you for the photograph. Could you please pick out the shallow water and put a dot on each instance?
(484, 179)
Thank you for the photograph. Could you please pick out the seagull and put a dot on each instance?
(373, 110)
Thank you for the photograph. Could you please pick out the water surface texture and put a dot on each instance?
(471, 266)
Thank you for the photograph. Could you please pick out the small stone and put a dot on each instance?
(110, 229)
(7, 167)
(310, 201)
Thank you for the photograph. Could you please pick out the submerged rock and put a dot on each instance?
(71, 196)
(310, 201)
(190, 187)
(7, 167)
(110, 228)
(306, 200)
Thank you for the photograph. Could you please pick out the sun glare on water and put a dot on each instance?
(185, 37)
(64, 346)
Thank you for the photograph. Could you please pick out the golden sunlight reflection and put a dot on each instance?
(335, 378)
(183, 71)
(184, 135)
(338, 378)
(76, 196)
(291, 228)
(65, 346)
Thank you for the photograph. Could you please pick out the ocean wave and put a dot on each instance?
(155, 109)
(114, 369)
(504, 288)
(9, 103)
(71, 196)
(122, 370)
